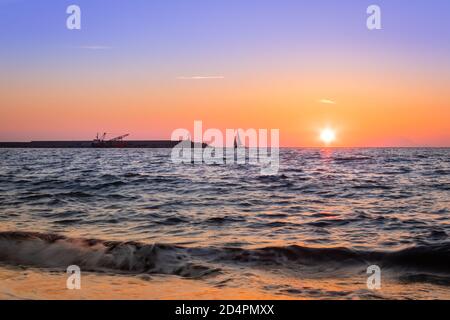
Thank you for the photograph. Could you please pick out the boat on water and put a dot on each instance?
(237, 141)
(102, 142)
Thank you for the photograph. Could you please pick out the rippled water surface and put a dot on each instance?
(326, 212)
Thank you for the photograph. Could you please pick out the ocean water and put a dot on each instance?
(142, 227)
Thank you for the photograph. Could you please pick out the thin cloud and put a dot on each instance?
(94, 47)
(201, 78)
(327, 101)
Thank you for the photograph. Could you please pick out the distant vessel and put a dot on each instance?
(117, 142)
(237, 141)
(100, 141)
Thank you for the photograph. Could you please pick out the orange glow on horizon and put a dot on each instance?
(366, 111)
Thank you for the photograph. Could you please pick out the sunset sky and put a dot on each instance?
(149, 67)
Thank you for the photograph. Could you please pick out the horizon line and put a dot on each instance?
(284, 147)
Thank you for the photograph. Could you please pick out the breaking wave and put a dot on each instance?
(56, 251)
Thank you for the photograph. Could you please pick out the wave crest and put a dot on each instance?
(56, 251)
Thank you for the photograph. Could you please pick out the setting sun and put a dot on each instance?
(327, 136)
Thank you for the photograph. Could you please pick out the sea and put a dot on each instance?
(333, 223)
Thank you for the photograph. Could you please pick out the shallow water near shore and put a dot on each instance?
(142, 227)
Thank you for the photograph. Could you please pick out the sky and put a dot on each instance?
(149, 67)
